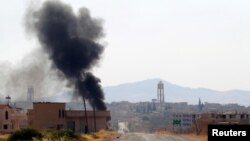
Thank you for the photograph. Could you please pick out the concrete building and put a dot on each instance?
(11, 118)
(183, 122)
(145, 107)
(75, 120)
(47, 115)
(221, 118)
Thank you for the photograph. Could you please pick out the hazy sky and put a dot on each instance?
(194, 43)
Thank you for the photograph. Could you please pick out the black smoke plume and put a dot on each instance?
(71, 40)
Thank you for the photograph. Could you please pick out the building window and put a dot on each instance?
(6, 115)
(31, 122)
(5, 126)
(232, 116)
(224, 116)
(63, 113)
(242, 116)
(59, 113)
(213, 116)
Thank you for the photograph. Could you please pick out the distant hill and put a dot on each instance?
(147, 90)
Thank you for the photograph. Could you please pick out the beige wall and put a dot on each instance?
(46, 115)
(5, 122)
(78, 117)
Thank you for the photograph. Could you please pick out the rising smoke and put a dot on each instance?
(33, 70)
(71, 42)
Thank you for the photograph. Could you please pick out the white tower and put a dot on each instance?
(30, 94)
(160, 92)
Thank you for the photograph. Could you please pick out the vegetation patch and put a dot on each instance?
(26, 134)
(60, 135)
(29, 134)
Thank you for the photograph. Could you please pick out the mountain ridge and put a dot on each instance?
(145, 90)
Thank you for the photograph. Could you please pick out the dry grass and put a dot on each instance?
(107, 135)
(102, 135)
(3, 136)
(164, 132)
(201, 137)
(90, 138)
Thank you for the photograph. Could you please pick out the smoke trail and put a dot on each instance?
(92, 89)
(34, 69)
(72, 44)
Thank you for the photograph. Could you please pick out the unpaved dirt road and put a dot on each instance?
(152, 137)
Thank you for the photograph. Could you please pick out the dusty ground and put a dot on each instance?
(201, 137)
(114, 136)
(153, 137)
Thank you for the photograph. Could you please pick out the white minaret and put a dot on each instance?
(30, 94)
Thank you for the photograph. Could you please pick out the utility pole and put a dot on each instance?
(94, 117)
(86, 116)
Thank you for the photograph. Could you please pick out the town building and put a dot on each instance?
(145, 107)
(227, 118)
(11, 118)
(183, 122)
(50, 115)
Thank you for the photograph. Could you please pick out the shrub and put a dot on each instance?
(26, 134)
(145, 118)
(54, 135)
